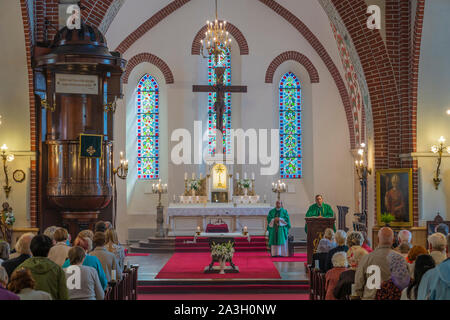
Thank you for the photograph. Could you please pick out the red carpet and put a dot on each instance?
(252, 265)
(298, 257)
(231, 296)
(185, 244)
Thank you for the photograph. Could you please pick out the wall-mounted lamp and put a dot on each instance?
(439, 149)
(361, 166)
(122, 170)
(6, 158)
(448, 112)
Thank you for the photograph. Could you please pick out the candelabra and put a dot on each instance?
(439, 149)
(363, 172)
(216, 37)
(279, 188)
(122, 170)
(6, 158)
(159, 188)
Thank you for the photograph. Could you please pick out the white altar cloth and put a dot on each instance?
(217, 209)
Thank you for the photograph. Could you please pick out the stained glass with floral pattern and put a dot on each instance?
(147, 104)
(290, 109)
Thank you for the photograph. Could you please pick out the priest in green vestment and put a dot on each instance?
(319, 209)
(278, 225)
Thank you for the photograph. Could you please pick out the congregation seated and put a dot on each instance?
(378, 257)
(50, 232)
(89, 260)
(339, 261)
(49, 276)
(5, 294)
(404, 242)
(435, 284)
(437, 245)
(343, 288)
(400, 279)
(113, 246)
(58, 253)
(23, 284)
(354, 238)
(423, 263)
(321, 254)
(23, 249)
(107, 259)
(89, 285)
(412, 256)
(366, 243)
(340, 238)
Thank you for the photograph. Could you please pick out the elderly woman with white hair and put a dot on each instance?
(437, 245)
(343, 288)
(23, 249)
(319, 258)
(339, 261)
(341, 238)
(404, 242)
(4, 293)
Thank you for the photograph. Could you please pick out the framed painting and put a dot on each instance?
(394, 196)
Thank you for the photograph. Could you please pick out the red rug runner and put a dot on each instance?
(297, 257)
(252, 265)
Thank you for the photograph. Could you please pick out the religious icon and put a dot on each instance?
(394, 195)
(219, 173)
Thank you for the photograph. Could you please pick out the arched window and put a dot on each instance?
(147, 103)
(290, 127)
(224, 61)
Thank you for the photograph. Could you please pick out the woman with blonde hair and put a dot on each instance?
(59, 252)
(329, 234)
(113, 246)
(23, 284)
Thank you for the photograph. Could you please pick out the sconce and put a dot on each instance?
(111, 106)
(122, 170)
(279, 188)
(361, 167)
(6, 158)
(439, 149)
(46, 105)
(159, 189)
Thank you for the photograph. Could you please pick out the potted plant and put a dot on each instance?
(387, 218)
(245, 184)
(194, 185)
(222, 252)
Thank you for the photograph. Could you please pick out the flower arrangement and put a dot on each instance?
(195, 184)
(9, 218)
(222, 251)
(244, 183)
(387, 218)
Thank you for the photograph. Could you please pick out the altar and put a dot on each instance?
(185, 218)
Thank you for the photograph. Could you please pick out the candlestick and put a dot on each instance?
(253, 176)
(185, 176)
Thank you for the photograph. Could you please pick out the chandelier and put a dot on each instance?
(216, 37)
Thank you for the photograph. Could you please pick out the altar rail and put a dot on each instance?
(126, 288)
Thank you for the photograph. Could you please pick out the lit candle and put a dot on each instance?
(4, 147)
(237, 175)
(245, 229)
(245, 175)
(185, 176)
(193, 176)
(253, 176)
(198, 229)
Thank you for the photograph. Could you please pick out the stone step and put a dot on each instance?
(146, 244)
(139, 249)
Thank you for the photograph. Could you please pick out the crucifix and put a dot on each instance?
(219, 106)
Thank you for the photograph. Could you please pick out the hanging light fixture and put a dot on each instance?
(216, 37)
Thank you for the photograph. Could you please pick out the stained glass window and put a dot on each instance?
(290, 127)
(147, 103)
(224, 61)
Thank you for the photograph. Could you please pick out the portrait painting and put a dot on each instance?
(394, 196)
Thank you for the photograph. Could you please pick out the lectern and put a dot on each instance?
(316, 228)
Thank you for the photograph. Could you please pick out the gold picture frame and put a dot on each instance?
(395, 196)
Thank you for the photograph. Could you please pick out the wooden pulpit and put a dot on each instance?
(316, 228)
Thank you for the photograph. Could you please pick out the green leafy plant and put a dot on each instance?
(222, 251)
(195, 184)
(387, 218)
(244, 183)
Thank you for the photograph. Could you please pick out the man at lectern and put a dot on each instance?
(320, 209)
(278, 225)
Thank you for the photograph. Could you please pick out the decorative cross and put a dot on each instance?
(219, 88)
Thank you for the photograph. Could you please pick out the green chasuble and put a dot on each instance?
(278, 235)
(323, 211)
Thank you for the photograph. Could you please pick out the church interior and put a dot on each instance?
(333, 118)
